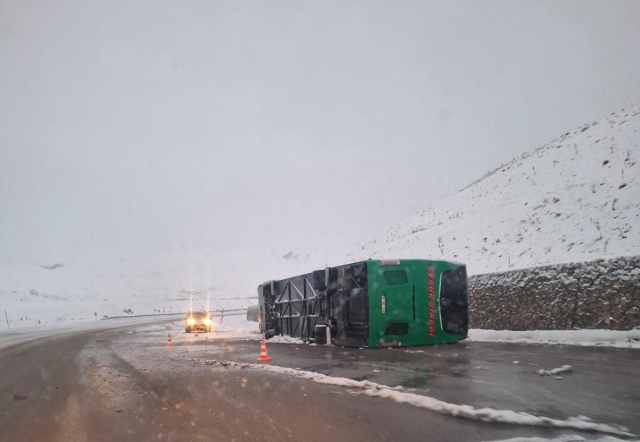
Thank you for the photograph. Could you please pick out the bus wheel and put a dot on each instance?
(320, 332)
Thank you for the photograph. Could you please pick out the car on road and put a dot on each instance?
(197, 321)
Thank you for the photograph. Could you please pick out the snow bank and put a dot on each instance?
(566, 438)
(463, 411)
(608, 338)
(283, 339)
(571, 200)
(556, 371)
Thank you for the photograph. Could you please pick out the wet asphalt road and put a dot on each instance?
(126, 385)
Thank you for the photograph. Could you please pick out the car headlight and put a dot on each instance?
(207, 321)
(190, 321)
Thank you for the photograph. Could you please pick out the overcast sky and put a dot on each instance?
(149, 125)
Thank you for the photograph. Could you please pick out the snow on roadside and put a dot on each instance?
(283, 339)
(566, 438)
(555, 371)
(19, 336)
(463, 411)
(152, 328)
(605, 338)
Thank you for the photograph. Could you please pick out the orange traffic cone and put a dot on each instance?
(169, 343)
(263, 352)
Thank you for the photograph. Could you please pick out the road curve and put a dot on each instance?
(124, 384)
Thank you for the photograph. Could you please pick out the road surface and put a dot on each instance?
(124, 384)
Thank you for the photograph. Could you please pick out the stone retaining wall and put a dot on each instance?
(601, 294)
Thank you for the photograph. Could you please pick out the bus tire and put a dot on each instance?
(320, 332)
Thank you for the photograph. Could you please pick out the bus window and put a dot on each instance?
(395, 277)
(396, 329)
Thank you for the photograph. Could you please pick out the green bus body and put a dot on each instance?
(409, 303)
(375, 303)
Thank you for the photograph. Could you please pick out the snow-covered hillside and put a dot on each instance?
(576, 198)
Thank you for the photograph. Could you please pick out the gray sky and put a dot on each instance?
(147, 125)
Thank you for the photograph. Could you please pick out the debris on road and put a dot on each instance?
(19, 398)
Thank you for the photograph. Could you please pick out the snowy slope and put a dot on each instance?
(576, 198)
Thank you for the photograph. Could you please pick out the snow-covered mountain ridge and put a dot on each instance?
(576, 198)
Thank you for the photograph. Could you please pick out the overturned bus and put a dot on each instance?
(375, 303)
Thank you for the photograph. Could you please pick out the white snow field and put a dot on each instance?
(51, 289)
(574, 199)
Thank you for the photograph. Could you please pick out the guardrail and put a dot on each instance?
(230, 312)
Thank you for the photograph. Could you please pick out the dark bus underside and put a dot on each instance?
(370, 304)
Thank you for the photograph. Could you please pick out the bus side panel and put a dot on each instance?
(376, 318)
(397, 304)
(408, 311)
(349, 306)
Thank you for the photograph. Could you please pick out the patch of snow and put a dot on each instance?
(556, 371)
(283, 339)
(463, 411)
(151, 328)
(571, 200)
(492, 415)
(605, 338)
(566, 438)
